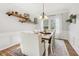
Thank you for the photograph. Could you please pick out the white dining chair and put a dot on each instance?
(31, 44)
(52, 44)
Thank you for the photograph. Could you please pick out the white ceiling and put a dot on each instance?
(35, 9)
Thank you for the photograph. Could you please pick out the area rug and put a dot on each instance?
(60, 49)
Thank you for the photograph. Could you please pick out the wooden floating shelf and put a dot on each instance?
(22, 18)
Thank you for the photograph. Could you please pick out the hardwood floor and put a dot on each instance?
(12, 51)
(16, 51)
(70, 49)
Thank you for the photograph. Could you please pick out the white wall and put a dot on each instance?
(74, 31)
(9, 25)
(9, 39)
(62, 25)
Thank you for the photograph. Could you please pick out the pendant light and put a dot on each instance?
(43, 16)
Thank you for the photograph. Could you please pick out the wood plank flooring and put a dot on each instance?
(70, 49)
(12, 51)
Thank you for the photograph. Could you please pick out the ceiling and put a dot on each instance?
(50, 8)
(35, 9)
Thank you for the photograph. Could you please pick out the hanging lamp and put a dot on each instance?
(43, 16)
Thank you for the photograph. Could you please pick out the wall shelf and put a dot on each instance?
(22, 17)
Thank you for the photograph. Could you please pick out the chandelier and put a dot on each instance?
(43, 15)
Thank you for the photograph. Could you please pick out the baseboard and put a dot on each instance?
(60, 39)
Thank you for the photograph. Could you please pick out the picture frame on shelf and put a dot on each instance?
(35, 20)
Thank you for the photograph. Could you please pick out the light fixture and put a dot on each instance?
(43, 16)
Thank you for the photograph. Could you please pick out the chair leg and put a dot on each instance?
(46, 47)
(51, 47)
